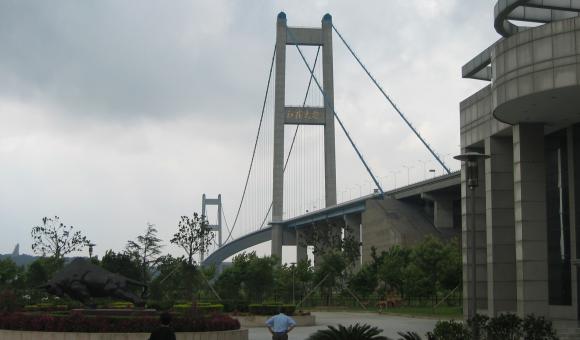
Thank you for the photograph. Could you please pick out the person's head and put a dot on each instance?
(279, 309)
(165, 318)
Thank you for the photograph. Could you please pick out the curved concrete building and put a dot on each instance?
(527, 119)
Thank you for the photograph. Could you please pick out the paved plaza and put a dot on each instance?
(390, 324)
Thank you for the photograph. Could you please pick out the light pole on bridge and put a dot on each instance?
(408, 167)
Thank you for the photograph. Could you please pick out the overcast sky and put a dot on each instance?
(118, 113)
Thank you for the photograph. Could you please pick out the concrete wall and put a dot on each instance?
(241, 334)
(535, 87)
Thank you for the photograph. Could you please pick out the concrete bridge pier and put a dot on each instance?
(301, 245)
(353, 227)
(442, 208)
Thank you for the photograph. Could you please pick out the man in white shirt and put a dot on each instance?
(280, 325)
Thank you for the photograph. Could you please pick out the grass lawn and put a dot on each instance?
(444, 312)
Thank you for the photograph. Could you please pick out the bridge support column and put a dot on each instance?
(442, 209)
(277, 239)
(301, 246)
(352, 224)
(279, 116)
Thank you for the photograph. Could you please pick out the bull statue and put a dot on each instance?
(82, 280)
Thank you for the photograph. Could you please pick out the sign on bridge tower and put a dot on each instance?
(292, 115)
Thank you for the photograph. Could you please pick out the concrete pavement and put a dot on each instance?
(389, 324)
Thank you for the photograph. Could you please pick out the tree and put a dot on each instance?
(146, 249)
(53, 238)
(327, 237)
(41, 270)
(11, 275)
(169, 285)
(122, 263)
(250, 278)
(390, 271)
(363, 282)
(331, 269)
(193, 235)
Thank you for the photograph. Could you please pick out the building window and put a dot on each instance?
(557, 209)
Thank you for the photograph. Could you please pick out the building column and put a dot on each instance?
(500, 226)
(530, 219)
(352, 223)
(481, 240)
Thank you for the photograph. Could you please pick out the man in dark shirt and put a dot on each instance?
(163, 332)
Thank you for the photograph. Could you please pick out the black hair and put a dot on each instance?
(165, 318)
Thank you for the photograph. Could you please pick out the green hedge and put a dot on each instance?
(45, 307)
(204, 308)
(259, 309)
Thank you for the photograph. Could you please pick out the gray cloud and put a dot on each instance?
(117, 113)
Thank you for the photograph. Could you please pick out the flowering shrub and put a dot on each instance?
(77, 322)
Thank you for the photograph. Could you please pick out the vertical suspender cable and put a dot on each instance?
(393, 104)
(295, 133)
(327, 102)
(255, 146)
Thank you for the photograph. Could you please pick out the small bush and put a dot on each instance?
(203, 308)
(451, 330)
(46, 307)
(235, 306)
(538, 328)
(504, 327)
(8, 301)
(258, 309)
(121, 305)
(357, 331)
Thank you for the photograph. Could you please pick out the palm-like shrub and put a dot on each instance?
(409, 336)
(352, 332)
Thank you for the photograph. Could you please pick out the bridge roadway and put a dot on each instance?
(440, 191)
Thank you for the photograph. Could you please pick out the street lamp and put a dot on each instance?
(408, 167)
(394, 173)
(432, 171)
(424, 167)
(91, 245)
(471, 160)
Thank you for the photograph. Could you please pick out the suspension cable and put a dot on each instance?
(327, 102)
(295, 133)
(255, 147)
(393, 104)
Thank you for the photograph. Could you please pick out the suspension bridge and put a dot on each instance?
(290, 184)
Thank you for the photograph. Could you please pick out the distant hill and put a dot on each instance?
(21, 259)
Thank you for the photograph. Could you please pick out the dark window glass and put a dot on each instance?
(559, 271)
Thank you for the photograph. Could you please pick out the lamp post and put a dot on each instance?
(424, 168)
(471, 160)
(433, 172)
(91, 245)
(293, 296)
(394, 173)
(408, 167)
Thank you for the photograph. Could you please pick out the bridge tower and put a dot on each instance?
(293, 115)
(213, 227)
